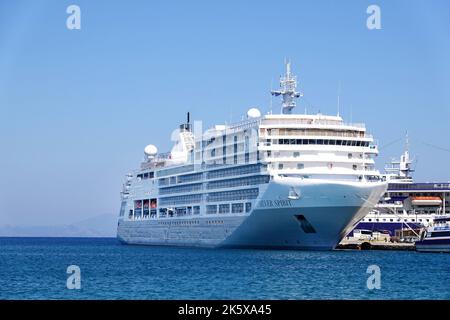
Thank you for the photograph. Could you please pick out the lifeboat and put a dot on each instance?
(426, 201)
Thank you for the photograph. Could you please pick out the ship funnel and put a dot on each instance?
(186, 126)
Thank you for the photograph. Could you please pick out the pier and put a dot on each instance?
(347, 244)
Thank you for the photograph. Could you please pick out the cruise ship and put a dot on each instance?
(285, 180)
(407, 206)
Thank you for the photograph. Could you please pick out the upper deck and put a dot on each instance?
(287, 143)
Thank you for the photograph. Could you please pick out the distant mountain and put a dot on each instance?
(99, 226)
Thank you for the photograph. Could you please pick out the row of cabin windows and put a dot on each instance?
(420, 211)
(398, 220)
(296, 154)
(139, 213)
(144, 208)
(180, 179)
(185, 222)
(235, 171)
(228, 183)
(172, 171)
(351, 143)
(312, 132)
(179, 211)
(225, 208)
(233, 195)
(181, 189)
(301, 166)
(193, 198)
(239, 182)
(214, 222)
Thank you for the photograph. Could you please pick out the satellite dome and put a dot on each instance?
(150, 150)
(253, 113)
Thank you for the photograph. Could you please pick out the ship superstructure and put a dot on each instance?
(272, 181)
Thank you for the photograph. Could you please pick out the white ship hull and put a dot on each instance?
(322, 215)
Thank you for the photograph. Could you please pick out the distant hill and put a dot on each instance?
(99, 226)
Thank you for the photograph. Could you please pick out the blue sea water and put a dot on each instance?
(35, 268)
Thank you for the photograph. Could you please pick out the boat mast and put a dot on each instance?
(288, 90)
(405, 161)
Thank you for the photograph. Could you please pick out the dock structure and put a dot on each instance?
(347, 244)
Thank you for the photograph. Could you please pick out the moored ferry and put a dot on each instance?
(285, 180)
(436, 238)
(407, 206)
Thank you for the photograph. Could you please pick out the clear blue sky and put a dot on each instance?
(77, 107)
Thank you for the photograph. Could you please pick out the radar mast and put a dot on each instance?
(288, 90)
